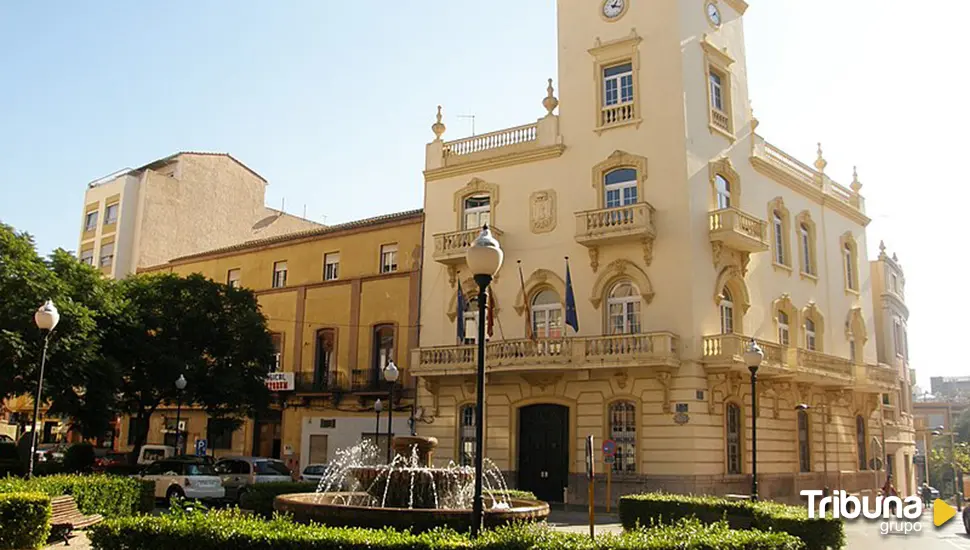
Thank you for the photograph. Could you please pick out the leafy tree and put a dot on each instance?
(941, 469)
(82, 297)
(962, 426)
(212, 334)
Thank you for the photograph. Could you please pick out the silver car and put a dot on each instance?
(238, 473)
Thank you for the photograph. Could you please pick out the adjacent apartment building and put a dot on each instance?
(341, 303)
(687, 234)
(181, 204)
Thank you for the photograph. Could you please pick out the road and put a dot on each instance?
(861, 534)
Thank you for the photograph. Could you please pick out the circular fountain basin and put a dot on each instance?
(410, 487)
(320, 508)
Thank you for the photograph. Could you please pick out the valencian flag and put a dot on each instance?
(461, 315)
(571, 318)
(529, 332)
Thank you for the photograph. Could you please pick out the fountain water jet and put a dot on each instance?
(357, 490)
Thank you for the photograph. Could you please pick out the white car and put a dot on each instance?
(313, 473)
(239, 473)
(184, 477)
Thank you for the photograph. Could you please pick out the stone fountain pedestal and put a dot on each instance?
(403, 446)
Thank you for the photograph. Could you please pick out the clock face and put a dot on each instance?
(613, 8)
(714, 14)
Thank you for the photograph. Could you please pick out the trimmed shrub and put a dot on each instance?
(259, 497)
(110, 496)
(24, 520)
(665, 508)
(230, 529)
(524, 495)
(79, 458)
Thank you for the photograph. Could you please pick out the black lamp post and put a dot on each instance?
(179, 387)
(753, 356)
(484, 258)
(390, 374)
(378, 407)
(46, 318)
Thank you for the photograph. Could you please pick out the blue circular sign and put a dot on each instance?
(609, 447)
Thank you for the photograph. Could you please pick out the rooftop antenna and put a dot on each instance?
(473, 121)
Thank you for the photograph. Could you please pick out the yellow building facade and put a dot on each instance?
(341, 302)
(687, 234)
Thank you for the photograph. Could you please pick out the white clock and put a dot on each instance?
(714, 14)
(613, 9)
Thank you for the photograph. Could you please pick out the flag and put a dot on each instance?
(571, 318)
(489, 316)
(529, 329)
(460, 318)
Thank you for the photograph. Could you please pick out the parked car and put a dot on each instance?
(313, 472)
(966, 520)
(184, 477)
(10, 463)
(239, 473)
(109, 460)
(4, 438)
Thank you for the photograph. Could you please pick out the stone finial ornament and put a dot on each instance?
(856, 185)
(438, 128)
(820, 162)
(550, 102)
(754, 120)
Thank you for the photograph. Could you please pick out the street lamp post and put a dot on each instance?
(179, 387)
(46, 318)
(378, 407)
(753, 356)
(390, 374)
(957, 490)
(484, 258)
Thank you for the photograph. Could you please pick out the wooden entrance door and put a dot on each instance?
(544, 450)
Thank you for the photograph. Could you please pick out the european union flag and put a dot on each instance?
(460, 318)
(571, 318)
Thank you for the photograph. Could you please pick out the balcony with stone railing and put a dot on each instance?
(725, 352)
(526, 143)
(450, 247)
(658, 349)
(632, 223)
(879, 377)
(737, 230)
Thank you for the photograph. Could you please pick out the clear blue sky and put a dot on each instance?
(332, 102)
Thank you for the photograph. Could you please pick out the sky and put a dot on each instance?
(333, 101)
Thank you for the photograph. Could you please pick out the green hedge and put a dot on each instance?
(259, 497)
(662, 508)
(201, 530)
(524, 495)
(110, 496)
(24, 520)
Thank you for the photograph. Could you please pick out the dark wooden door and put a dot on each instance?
(544, 450)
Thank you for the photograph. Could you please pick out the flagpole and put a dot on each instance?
(529, 330)
(572, 319)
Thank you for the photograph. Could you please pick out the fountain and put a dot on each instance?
(409, 493)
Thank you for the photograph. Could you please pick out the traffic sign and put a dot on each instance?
(201, 445)
(609, 447)
(609, 459)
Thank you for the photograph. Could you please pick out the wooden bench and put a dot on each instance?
(65, 517)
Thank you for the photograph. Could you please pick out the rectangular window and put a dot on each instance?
(107, 255)
(87, 256)
(618, 84)
(717, 100)
(388, 258)
(849, 268)
(279, 274)
(477, 211)
(232, 278)
(331, 266)
(219, 433)
(897, 337)
(91, 220)
(895, 284)
(111, 214)
(779, 240)
(277, 340)
(784, 337)
(807, 251)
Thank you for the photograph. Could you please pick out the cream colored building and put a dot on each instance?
(181, 204)
(687, 234)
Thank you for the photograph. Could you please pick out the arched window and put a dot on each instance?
(623, 430)
(804, 443)
(784, 335)
(810, 342)
(620, 186)
(326, 343)
(781, 255)
(727, 312)
(806, 238)
(850, 275)
(624, 308)
(547, 315)
(477, 211)
(723, 189)
(860, 441)
(733, 427)
(466, 435)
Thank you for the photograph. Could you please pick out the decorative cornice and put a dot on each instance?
(808, 190)
(739, 6)
(721, 54)
(521, 157)
(629, 42)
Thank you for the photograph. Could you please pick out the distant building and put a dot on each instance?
(950, 386)
(181, 204)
